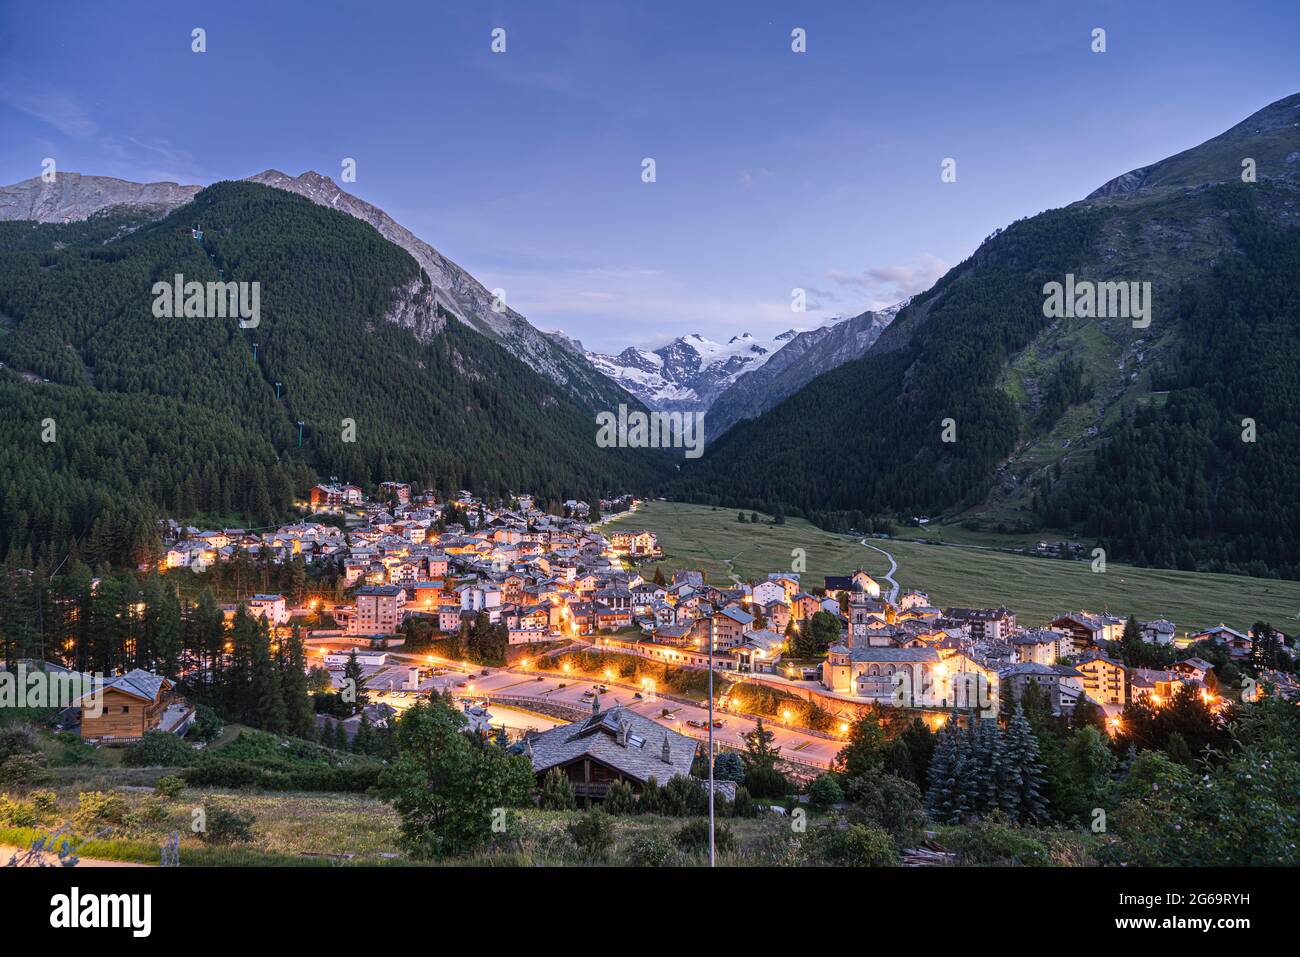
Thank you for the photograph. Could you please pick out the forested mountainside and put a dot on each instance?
(71, 197)
(180, 416)
(1083, 425)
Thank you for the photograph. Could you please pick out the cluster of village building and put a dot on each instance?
(545, 576)
(553, 577)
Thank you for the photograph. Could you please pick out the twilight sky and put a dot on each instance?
(774, 169)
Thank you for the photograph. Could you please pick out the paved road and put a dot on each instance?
(889, 575)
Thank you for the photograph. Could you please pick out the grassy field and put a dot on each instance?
(297, 829)
(1037, 589)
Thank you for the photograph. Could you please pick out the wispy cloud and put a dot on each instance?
(886, 285)
(59, 111)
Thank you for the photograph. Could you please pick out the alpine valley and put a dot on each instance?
(1176, 445)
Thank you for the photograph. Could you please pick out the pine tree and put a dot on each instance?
(354, 682)
(208, 631)
(366, 741)
(986, 756)
(237, 679)
(1022, 753)
(266, 693)
(293, 682)
(945, 800)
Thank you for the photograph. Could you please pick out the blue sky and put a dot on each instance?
(774, 169)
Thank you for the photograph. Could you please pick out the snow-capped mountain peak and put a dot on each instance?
(689, 372)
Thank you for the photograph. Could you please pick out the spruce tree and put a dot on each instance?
(1022, 751)
(365, 741)
(986, 754)
(354, 682)
(267, 696)
(300, 714)
(945, 801)
(237, 678)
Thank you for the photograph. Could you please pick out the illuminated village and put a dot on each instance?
(412, 571)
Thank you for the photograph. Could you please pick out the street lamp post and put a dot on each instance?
(712, 850)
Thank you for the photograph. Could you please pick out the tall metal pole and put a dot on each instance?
(712, 849)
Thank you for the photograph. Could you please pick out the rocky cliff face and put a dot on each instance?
(1267, 138)
(72, 197)
(803, 358)
(462, 295)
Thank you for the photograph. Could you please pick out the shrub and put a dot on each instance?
(728, 767)
(743, 805)
(648, 850)
(857, 845)
(694, 836)
(766, 782)
(16, 739)
(557, 792)
(97, 810)
(39, 808)
(889, 802)
(825, 791)
(207, 724)
(593, 833)
(620, 798)
(994, 843)
(651, 797)
(684, 795)
(22, 769)
(169, 786)
(221, 772)
(44, 804)
(225, 826)
(159, 749)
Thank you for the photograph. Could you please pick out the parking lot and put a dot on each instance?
(389, 684)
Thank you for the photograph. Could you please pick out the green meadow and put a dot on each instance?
(1037, 589)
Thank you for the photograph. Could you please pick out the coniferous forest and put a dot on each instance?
(1176, 481)
(114, 417)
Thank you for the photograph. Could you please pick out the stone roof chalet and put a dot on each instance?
(631, 744)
